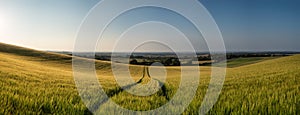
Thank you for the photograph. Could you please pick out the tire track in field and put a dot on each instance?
(110, 94)
(164, 89)
(161, 84)
(118, 90)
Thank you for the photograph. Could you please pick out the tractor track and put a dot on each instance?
(118, 90)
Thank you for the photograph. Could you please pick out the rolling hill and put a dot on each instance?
(37, 82)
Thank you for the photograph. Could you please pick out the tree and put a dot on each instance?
(134, 61)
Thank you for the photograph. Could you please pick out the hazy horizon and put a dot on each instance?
(269, 25)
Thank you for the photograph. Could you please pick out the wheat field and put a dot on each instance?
(36, 82)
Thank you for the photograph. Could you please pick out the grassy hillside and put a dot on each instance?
(236, 62)
(36, 82)
(32, 82)
(268, 87)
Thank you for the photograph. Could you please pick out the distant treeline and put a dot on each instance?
(206, 58)
(171, 59)
(258, 54)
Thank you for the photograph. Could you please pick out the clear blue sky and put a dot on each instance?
(246, 25)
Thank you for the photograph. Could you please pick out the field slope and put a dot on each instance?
(36, 82)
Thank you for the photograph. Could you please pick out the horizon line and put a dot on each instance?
(227, 51)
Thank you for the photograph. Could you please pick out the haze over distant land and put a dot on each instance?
(246, 25)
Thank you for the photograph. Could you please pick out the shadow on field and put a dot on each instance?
(111, 93)
(116, 91)
(87, 112)
(164, 90)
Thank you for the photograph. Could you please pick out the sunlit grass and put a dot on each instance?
(39, 84)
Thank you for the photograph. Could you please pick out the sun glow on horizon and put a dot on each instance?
(3, 22)
(3, 26)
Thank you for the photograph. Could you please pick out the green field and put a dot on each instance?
(35, 82)
(236, 62)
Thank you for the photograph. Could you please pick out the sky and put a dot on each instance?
(246, 25)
